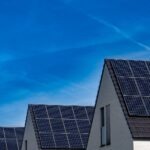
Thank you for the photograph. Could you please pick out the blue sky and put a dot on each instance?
(52, 51)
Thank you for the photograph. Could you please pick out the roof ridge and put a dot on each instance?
(114, 59)
(60, 105)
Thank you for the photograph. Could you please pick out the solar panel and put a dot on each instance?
(40, 111)
(90, 112)
(80, 112)
(43, 125)
(46, 140)
(61, 140)
(11, 138)
(19, 144)
(63, 126)
(11, 144)
(71, 126)
(148, 64)
(139, 69)
(75, 141)
(2, 144)
(19, 133)
(144, 86)
(128, 86)
(85, 139)
(84, 126)
(1, 133)
(57, 125)
(9, 132)
(135, 106)
(53, 112)
(147, 103)
(67, 112)
(134, 81)
(121, 68)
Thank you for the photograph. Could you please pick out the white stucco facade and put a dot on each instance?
(141, 145)
(29, 135)
(120, 135)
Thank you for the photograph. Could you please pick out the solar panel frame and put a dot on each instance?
(9, 133)
(11, 144)
(121, 68)
(128, 86)
(57, 125)
(144, 86)
(139, 68)
(19, 133)
(80, 112)
(71, 126)
(46, 140)
(135, 106)
(43, 124)
(19, 143)
(2, 144)
(57, 130)
(90, 112)
(39, 111)
(83, 126)
(1, 133)
(67, 112)
(147, 103)
(136, 84)
(61, 140)
(53, 112)
(75, 141)
(12, 137)
(85, 139)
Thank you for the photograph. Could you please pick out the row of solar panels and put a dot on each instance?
(66, 112)
(11, 138)
(62, 126)
(134, 81)
(131, 68)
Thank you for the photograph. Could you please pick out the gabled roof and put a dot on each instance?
(131, 80)
(61, 127)
(11, 138)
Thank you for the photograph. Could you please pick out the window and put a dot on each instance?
(26, 145)
(108, 125)
(103, 133)
(105, 125)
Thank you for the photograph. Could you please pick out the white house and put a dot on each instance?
(122, 111)
(121, 119)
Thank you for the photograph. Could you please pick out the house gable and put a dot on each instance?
(120, 134)
(29, 134)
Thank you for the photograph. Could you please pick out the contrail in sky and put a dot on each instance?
(110, 25)
(118, 30)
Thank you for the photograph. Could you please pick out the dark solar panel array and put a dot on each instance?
(11, 138)
(63, 126)
(134, 81)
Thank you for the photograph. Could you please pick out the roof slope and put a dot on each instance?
(11, 138)
(132, 84)
(61, 127)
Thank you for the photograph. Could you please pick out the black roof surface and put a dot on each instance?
(134, 98)
(61, 127)
(11, 138)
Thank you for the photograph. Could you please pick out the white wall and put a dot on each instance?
(29, 135)
(141, 145)
(120, 135)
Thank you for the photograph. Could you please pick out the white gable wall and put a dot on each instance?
(29, 135)
(120, 135)
(141, 145)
